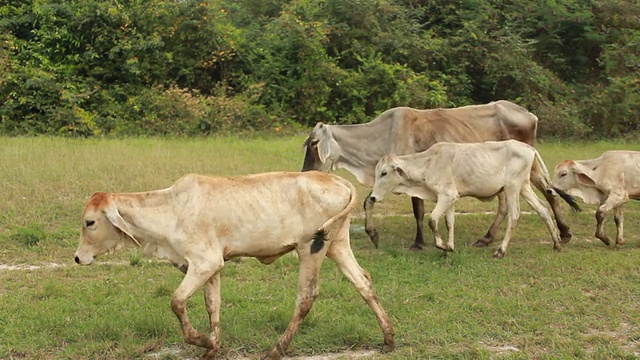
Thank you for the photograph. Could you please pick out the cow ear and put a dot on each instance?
(400, 171)
(584, 179)
(118, 221)
(324, 149)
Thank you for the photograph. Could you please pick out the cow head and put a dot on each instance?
(570, 175)
(389, 175)
(103, 229)
(321, 149)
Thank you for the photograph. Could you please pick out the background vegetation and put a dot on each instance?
(182, 68)
(581, 303)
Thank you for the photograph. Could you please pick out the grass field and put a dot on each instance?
(583, 302)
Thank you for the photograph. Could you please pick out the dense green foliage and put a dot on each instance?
(162, 67)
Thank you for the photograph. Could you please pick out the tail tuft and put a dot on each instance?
(569, 199)
(318, 241)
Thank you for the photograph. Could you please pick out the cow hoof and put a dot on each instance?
(557, 248)
(481, 243)
(445, 248)
(209, 355)
(374, 237)
(565, 239)
(386, 348)
(499, 254)
(604, 239)
(273, 355)
(415, 247)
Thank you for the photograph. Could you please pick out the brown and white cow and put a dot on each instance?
(608, 181)
(447, 172)
(200, 222)
(403, 131)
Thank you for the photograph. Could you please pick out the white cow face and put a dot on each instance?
(99, 234)
(569, 175)
(321, 149)
(389, 175)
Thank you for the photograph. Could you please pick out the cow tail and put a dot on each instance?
(321, 235)
(566, 197)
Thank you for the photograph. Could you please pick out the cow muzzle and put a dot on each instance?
(83, 259)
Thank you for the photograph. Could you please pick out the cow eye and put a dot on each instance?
(563, 174)
(314, 142)
(384, 173)
(89, 223)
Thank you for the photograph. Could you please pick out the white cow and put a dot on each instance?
(448, 171)
(200, 222)
(608, 181)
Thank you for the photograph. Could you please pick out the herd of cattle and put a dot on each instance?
(440, 155)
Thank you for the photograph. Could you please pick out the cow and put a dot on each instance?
(447, 172)
(608, 181)
(402, 131)
(200, 222)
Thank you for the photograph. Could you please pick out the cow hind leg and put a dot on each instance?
(212, 301)
(308, 291)
(513, 215)
(418, 213)
(340, 252)
(497, 221)
(196, 277)
(542, 184)
(530, 197)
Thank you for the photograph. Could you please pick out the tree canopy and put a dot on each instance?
(185, 68)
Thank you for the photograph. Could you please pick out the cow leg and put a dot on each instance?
(307, 293)
(600, 227)
(450, 219)
(418, 213)
(542, 184)
(369, 227)
(212, 301)
(530, 197)
(616, 199)
(340, 252)
(513, 215)
(195, 278)
(618, 217)
(443, 204)
(497, 221)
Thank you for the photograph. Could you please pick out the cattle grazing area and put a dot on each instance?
(582, 302)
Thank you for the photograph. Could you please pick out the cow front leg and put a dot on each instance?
(307, 293)
(450, 220)
(497, 221)
(418, 213)
(369, 226)
(341, 253)
(212, 301)
(615, 199)
(618, 217)
(195, 278)
(444, 202)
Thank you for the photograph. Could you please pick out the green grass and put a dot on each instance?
(583, 302)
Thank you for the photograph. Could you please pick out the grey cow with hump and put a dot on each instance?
(404, 131)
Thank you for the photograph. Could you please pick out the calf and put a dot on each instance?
(608, 181)
(448, 171)
(200, 222)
